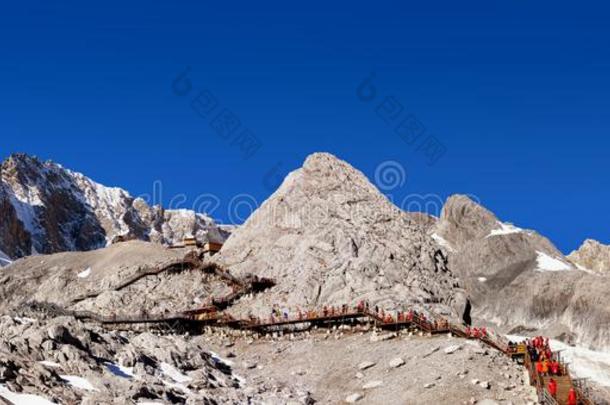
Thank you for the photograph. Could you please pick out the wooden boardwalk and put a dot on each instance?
(211, 315)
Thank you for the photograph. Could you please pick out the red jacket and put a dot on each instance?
(553, 387)
(555, 368)
(572, 400)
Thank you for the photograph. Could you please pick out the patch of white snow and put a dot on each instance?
(24, 320)
(23, 399)
(174, 373)
(51, 364)
(548, 263)
(505, 229)
(482, 279)
(441, 241)
(216, 357)
(120, 371)
(85, 273)
(78, 382)
(4, 259)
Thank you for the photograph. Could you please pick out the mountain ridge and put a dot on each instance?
(50, 209)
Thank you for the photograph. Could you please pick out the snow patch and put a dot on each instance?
(441, 241)
(4, 259)
(174, 373)
(85, 273)
(51, 364)
(23, 399)
(24, 320)
(548, 263)
(217, 358)
(120, 371)
(78, 382)
(505, 229)
(482, 279)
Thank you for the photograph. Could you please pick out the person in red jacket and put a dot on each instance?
(572, 399)
(554, 367)
(553, 388)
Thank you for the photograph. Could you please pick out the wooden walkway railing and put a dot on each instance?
(211, 315)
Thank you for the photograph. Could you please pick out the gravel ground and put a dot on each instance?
(332, 368)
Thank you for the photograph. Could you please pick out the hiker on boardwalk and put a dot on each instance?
(539, 367)
(572, 398)
(545, 367)
(555, 368)
(553, 388)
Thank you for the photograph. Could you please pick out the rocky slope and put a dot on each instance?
(62, 361)
(504, 267)
(592, 256)
(328, 236)
(46, 209)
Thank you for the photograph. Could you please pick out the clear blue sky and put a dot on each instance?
(516, 92)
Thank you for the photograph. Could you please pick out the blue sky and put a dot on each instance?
(514, 94)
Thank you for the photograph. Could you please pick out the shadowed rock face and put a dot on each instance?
(328, 236)
(518, 279)
(47, 209)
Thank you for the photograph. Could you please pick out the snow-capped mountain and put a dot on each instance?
(46, 209)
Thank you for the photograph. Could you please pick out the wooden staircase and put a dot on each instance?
(564, 383)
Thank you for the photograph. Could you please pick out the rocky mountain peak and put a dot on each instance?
(463, 220)
(329, 234)
(593, 256)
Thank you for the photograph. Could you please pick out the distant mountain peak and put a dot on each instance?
(48, 209)
(593, 256)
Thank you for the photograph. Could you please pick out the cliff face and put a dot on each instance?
(47, 209)
(518, 279)
(328, 236)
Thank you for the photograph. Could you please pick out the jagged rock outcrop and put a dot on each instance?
(47, 209)
(328, 236)
(60, 360)
(592, 256)
(519, 280)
